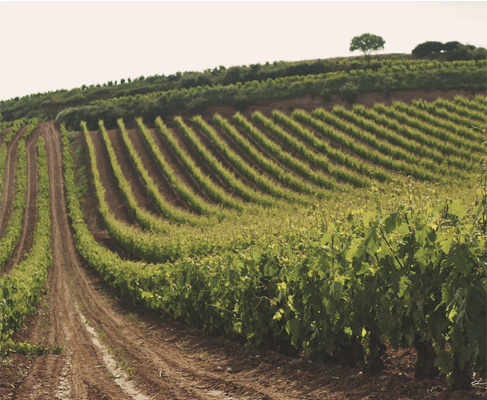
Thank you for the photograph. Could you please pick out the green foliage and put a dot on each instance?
(14, 226)
(320, 161)
(322, 146)
(20, 289)
(27, 349)
(349, 92)
(212, 190)
(408, 75)
(267, 165)
(367, 43)
(195, 202)
(234, 184)
(410, 271)
(249, 172)
(429, 48)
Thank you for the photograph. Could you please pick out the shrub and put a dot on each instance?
(349, 92)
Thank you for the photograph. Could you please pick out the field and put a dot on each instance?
(278, 246)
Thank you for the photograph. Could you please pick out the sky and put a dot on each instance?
(61, 45)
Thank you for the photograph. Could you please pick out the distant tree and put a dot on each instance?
(367, 43)
(428, 48)
(467, 52)
(450, 46)
(122, 81)
(129, 80)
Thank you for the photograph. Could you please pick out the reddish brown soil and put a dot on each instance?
(166, 358)
(30, 214)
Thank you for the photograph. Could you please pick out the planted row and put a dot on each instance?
(14, 227)
(440, 133)
(177, 243)
(440, 122)
(196, 203)
(474, 116)
(405, 148)
(261, 181)
(326, 149)
(358, 148)
(446, 114)
(265, 163)
(282, 156)
(237, 186)
(470, 104)
(425, 142)
(145, 219)
(320, 161)
(214, 192)
(167, 210)
(20, 289)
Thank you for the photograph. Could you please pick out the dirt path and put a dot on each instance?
(30, 213)
(6, 203)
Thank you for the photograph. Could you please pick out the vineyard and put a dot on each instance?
(154, 254)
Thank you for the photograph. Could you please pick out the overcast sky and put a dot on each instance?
(60, 45)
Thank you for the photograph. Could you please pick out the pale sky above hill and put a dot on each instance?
(60, 45)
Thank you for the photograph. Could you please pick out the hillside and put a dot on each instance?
(315, 234)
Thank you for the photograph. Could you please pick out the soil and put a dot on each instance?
(113, 350)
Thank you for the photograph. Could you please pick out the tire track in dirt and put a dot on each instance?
(6, 204)
(30, 211)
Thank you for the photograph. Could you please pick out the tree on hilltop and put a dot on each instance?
(367, 43)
